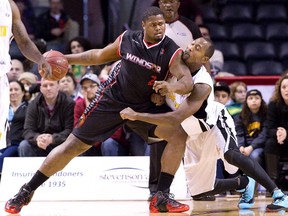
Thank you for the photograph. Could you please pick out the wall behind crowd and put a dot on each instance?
(106, 19)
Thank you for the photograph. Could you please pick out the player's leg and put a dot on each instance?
(248, 165)
(81, 139)
(170, 161)
(57, 159)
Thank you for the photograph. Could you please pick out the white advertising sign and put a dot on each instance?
(87, 178)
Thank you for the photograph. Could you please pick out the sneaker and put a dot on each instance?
(247, 197)
(151, 195)
(280, 201)
(22, 198)
(164, 202)
(204, 198)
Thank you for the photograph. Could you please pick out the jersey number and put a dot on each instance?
(151, 82)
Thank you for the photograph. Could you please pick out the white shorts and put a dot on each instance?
(4, 108)
(204, 146)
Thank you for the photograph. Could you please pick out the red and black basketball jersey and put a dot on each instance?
(141, 65)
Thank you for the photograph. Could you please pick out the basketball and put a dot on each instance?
(59, 65)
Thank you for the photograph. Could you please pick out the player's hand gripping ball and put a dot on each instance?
(59, 65)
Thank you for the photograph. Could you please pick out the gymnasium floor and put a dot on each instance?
(224, 206)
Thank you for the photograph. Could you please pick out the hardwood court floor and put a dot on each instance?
(222, 206)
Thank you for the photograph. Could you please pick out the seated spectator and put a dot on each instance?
(17, 68)
(69, 86)
(17, 112)
(28, 79)
(221, 92)
(251, 126)
(238, 95)
(77, 45)
(276, 145)
(48, 122)
(54, 25)
(89, 86)
(217, 59)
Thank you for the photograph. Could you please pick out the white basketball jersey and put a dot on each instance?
(202, 76)
(5, 35)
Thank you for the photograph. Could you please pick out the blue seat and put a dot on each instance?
(236, 13)
(209, 13)
(247, 32)
(235, 67)
(259, 51)
(230, 50)
(276, 32)
(218, 32)
(271, 13)
(266, 68)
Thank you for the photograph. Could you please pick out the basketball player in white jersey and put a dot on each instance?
(210, 134)
(12, 26)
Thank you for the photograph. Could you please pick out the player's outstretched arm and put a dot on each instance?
(96, 56)
(189, 106)
(26, 46)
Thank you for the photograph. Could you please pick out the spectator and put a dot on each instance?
(55, 25)
(17, 111)
(217, 60)
(77, 45)
(48, 122)
(251, 126)
(89, 86)
(17, 68)
(29, 80)
(222, 92)
(188, 8)
(238, 94)
(276, 145)
(68, 85)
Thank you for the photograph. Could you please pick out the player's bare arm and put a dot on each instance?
(185, 82)
(96, 56)
(26, 46)
(189, 106)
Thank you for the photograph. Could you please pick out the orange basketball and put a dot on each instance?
(59, 65)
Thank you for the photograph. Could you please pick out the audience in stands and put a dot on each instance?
(17, 112)
(238, 95)
(17, 68)
(29, 80)
(77, 45)
(222, 92)
(276, 145)
(69, 86)
(188, 8)
(55, 26)
(48, 122)
(89, 86)
(251, 126)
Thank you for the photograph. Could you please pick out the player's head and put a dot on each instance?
(221, 92)
(153, 24)
(169, 8)
(198, 52)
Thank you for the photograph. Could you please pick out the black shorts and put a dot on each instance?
(102, 118)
